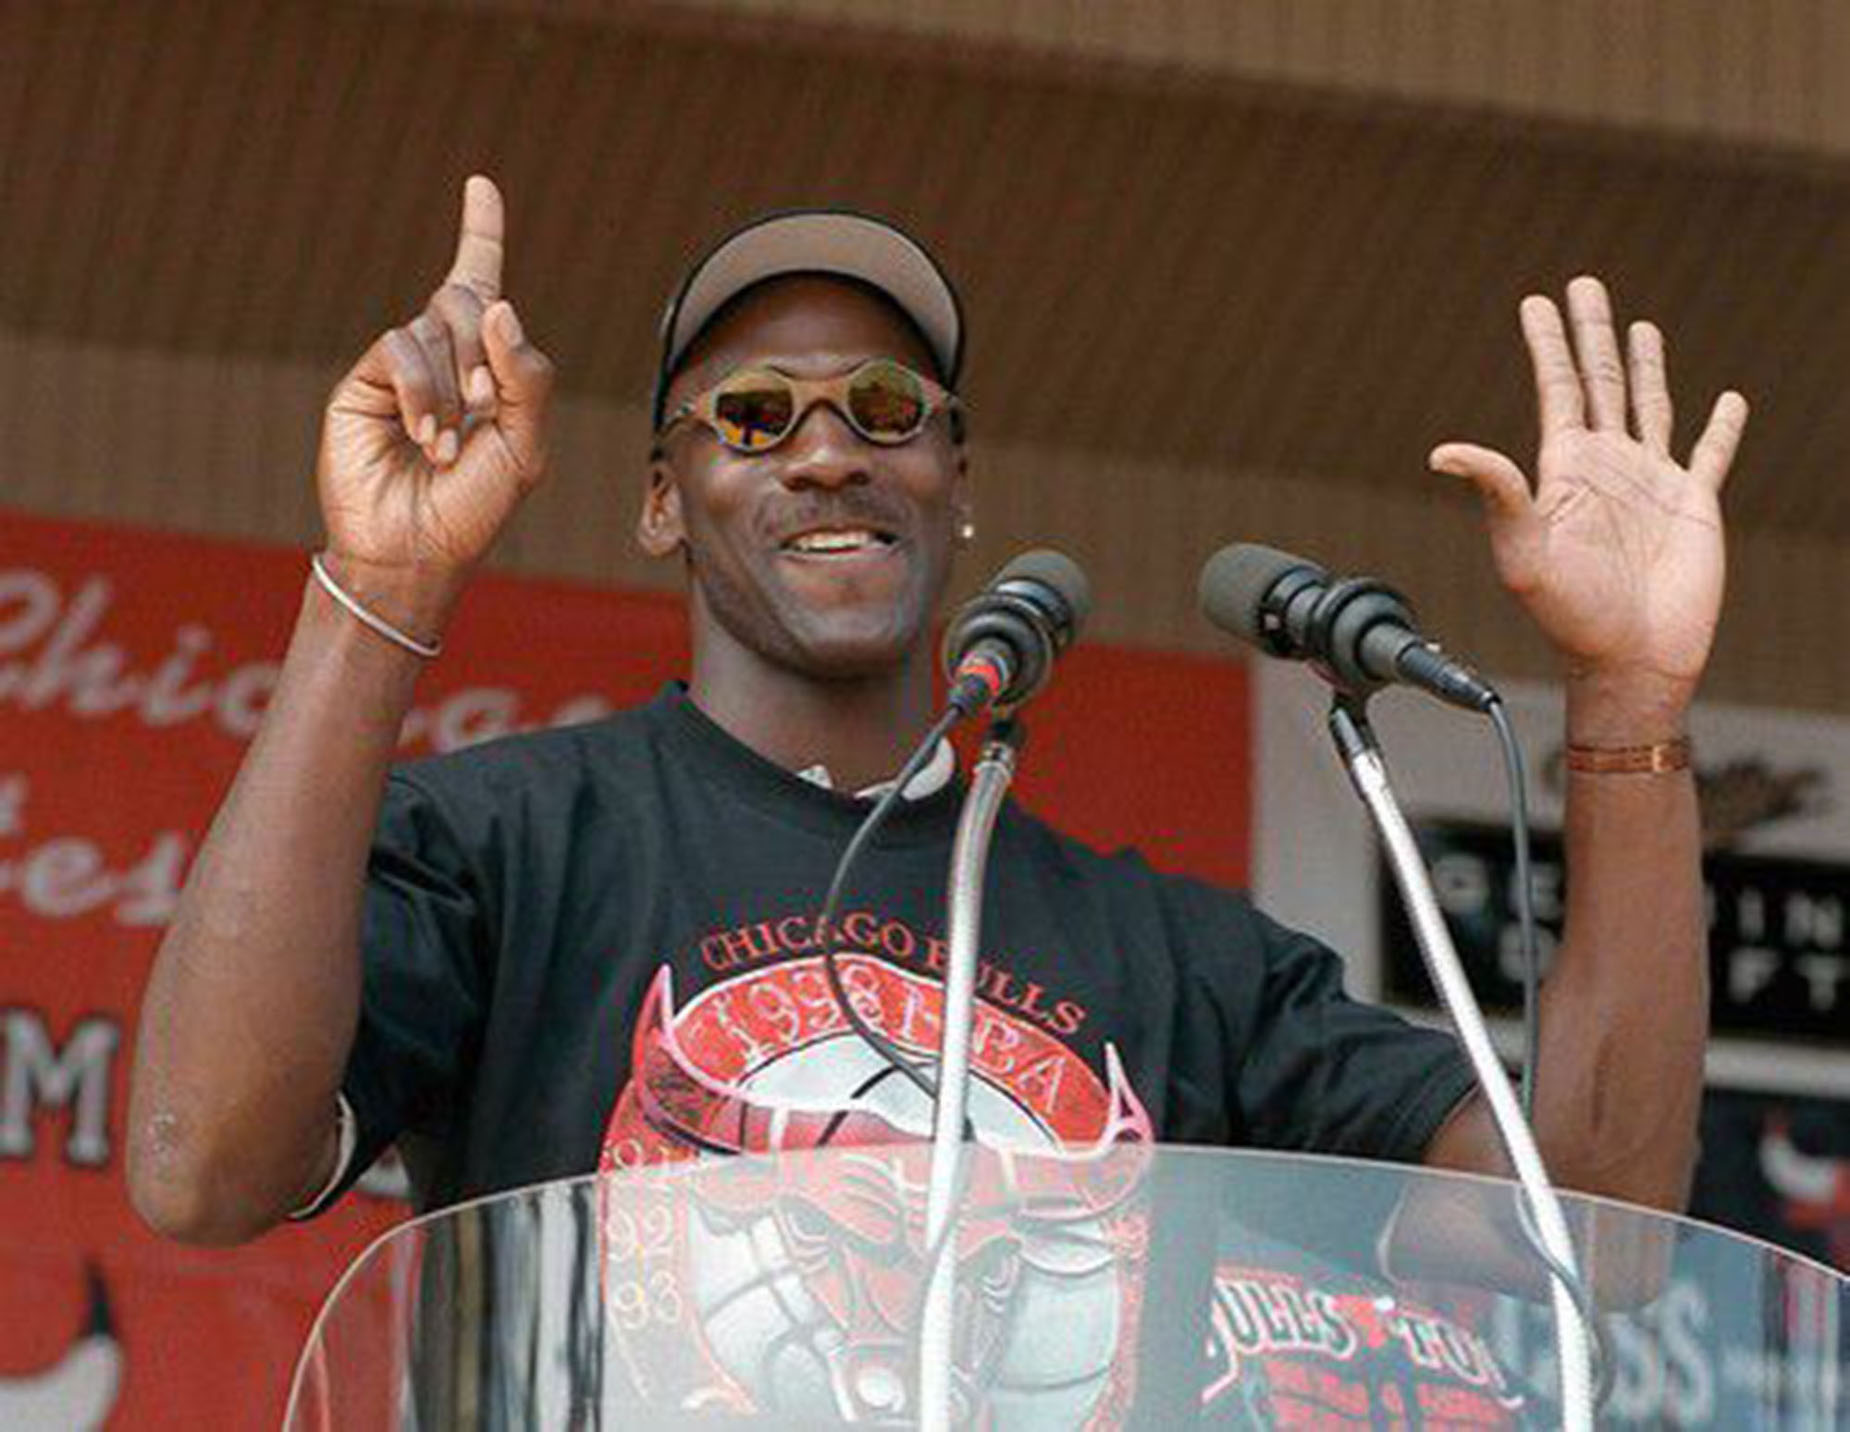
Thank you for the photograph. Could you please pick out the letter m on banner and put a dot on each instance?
(37, 1075)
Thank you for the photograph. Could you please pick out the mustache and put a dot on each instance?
(847, 507)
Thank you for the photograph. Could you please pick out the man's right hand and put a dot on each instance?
(428, 446)
(436, 434)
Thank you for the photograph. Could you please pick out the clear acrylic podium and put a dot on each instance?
(1142, 1286)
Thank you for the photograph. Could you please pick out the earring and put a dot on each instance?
(966, 530)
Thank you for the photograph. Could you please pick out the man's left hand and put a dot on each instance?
(1616, 550)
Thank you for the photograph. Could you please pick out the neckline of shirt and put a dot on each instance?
(926, 814)
(925, 783)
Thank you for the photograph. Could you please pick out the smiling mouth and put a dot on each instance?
(831, 542)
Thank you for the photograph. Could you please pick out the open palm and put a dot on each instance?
(1616, 550)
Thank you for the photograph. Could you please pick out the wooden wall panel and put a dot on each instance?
(1762, 71)
(1757, 71)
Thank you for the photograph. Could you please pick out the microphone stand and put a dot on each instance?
(989, 783)
(1355, 743)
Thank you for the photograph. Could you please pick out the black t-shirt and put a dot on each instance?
(594, 946)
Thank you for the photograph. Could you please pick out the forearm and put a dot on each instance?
(251, 1008)
(1624, 1012)
(1627, 1010)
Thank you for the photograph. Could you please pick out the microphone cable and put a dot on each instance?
(874, 1038)
(1525, 901)
(1605, 1368)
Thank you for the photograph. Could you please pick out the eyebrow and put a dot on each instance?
(843, 365)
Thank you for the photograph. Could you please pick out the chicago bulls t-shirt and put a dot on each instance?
(595, 947)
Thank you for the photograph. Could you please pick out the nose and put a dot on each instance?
(824, 451)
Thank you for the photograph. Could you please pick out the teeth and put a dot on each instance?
(851, 540)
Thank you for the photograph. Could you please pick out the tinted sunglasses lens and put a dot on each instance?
(887, 402)
(753, 411)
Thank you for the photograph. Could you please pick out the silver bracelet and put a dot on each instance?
(372, 620)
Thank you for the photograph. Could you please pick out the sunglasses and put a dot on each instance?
(753, 409)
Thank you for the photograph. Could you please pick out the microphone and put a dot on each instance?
(1359, 633)
(1000, 646)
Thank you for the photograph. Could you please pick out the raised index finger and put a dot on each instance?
(479, 245)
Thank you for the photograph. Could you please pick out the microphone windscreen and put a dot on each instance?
(1057, 571)
(1234, 583)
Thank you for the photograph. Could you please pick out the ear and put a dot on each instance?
(659, 528)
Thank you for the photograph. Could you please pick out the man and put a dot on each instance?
(564, 948)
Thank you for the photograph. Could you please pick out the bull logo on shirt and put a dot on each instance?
(794, 1287)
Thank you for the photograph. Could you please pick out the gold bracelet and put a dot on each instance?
(1658, 758)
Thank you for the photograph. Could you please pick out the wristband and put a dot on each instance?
(1658, 758)
(369, 619)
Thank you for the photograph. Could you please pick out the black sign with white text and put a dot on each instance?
(1778, 948)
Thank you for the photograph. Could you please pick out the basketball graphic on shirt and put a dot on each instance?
(800, 1298)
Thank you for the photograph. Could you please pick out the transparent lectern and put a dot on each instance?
(1141, 1286)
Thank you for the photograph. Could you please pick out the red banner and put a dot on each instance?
(134, 666)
